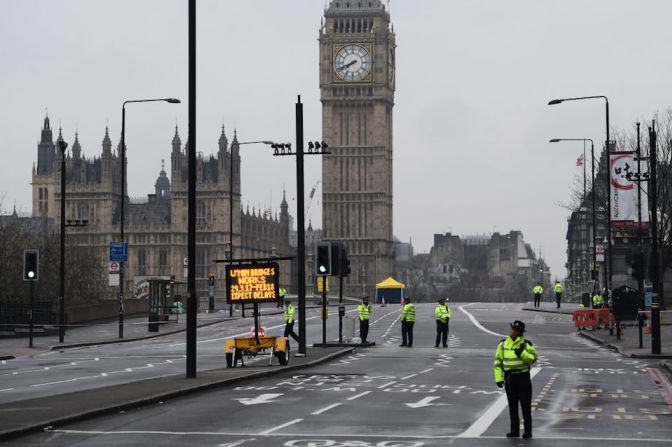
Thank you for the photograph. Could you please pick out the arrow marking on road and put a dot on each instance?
(425, 402)
(261, 399)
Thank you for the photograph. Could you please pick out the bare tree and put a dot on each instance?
(85, 275)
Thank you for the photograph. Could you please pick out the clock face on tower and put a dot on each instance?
(352, 63)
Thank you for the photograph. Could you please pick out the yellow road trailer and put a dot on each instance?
(236, 348)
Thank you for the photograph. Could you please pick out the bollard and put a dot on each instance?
(640, 321)
(618, 329)
(655, 328)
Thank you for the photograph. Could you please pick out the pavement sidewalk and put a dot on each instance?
(628, 345)
(42, 414)
(565, 308)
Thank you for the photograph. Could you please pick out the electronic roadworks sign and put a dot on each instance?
(252, 282)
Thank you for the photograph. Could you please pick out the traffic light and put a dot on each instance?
(345, 263)
(323, 264)
(336, 249)
(31, 261)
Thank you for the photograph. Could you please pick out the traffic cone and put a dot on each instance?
(382, 302)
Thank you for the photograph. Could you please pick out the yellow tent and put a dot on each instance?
(391, 290)
(390, 283)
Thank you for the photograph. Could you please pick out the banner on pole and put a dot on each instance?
(625, 183)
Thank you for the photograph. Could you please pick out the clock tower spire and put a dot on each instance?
(357, 49)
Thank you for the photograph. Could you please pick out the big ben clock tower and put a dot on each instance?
(357, 46)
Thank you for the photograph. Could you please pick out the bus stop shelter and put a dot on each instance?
(163, 294)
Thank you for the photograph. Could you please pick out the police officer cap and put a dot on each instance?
(518, 325)
(442, 300)
(365, 298)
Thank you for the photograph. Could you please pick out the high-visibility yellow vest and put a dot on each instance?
(289, 313)
(442, 313)
(538, 290)
(363, 311)
(282, 292)
(558, 288)
(506, 359)
(408, 313)
(598, 300)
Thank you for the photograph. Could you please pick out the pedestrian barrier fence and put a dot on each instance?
(593, 318)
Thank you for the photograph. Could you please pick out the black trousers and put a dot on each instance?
(407, 333)
(289, 330)
(363, 330)
(558, 298)
(519, 391)
(281, 302)
(537, 299)
(442, 333)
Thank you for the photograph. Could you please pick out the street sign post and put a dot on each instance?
(119, 251)
(114, 273)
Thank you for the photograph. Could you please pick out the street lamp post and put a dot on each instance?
(313, 149)
(592, 186)
(122, 156)
(231, 250)
(62, 145)
(608, 271)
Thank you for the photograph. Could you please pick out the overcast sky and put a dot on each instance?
(471, 124)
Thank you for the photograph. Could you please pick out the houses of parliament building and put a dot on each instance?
(357, 52)
(156, 227)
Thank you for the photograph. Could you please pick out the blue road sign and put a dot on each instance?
(119, 251)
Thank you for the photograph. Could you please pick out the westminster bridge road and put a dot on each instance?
(391, 396)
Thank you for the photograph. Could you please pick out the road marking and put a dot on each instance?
(74, 379)
(481, 425)
(242, 334)
(286, 424)
(235, 443)
(325, 409)
(476, 323)
(47, 368)
(359, 395)
(425, 402)
(261, 399)
(345, 435)
(426, 370)
(6, 389)
(408, 377)
(387, 384)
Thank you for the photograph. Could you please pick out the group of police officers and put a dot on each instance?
(513, 358)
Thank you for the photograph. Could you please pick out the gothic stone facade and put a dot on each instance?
(156, 227)
(357, 48)
(488, 261)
